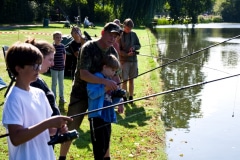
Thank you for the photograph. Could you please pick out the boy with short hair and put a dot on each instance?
(100, 96)
(27, 113)
(129, 44)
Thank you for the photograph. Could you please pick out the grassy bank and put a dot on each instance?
(139, 133)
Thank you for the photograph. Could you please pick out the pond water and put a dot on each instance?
(202, 122)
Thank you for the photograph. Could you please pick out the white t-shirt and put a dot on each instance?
(27, 108)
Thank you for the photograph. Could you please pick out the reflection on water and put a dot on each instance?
(199, 120)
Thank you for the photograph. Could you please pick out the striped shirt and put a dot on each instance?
(59, 57)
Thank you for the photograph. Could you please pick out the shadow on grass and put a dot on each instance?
(84, 140)
(133, 114)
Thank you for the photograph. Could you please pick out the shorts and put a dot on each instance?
(129, 70)
(76, 106)
(100, 136)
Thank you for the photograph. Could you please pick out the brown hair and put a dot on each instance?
(75, 29)
(45, 47)
(21, 54)
(128, 22)
(111, 61)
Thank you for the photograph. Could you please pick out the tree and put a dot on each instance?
(141, 11)
(15, 11)
(230, 11)
(187, 11)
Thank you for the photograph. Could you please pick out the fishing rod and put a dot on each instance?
(154, 95)
(199, 65)
(159, 44)
(178, 59)
(175, 60)
(148, 56)
(182, 61)
(13, 78)
(146, 97)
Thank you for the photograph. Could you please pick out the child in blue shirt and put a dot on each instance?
(99, 96)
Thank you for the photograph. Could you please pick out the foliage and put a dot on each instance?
(217, 9)
(15, 11)
(163, 21)
(217, 19)
(141, 11)
(230, 11)
(209, 19)
(187, 11)
(105, 13)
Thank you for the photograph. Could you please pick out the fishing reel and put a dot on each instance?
(70, 135)
(119, 93)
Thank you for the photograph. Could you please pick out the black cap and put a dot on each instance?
(113, 28)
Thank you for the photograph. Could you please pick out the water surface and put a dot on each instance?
(202, 122)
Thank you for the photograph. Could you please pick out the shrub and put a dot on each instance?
(217, 19)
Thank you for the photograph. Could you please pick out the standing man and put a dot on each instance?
(129, 44)
(89, 62)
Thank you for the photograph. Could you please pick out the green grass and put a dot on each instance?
(139, 133)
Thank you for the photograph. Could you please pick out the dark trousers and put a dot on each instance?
(100, 136)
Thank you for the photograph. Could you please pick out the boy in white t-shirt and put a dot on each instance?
(27, 113)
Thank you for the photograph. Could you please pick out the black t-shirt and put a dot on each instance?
(90, 59)
(74, 47)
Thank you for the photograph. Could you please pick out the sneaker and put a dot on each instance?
(62, 100)
(124, 99)
(130, 98)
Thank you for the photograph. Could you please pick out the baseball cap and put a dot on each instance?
(113, 28)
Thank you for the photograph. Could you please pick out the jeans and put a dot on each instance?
(58, 77)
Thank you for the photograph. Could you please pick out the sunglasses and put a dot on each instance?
(37, 67)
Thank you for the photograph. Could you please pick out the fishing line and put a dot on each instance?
(178, 59)
(184, 62)
(156, 94)
(147, 56)
(151, 45)
(235, 98)
(147, 97)
(199, 65)
(173, 61)
(65, 16)
(177, 100)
